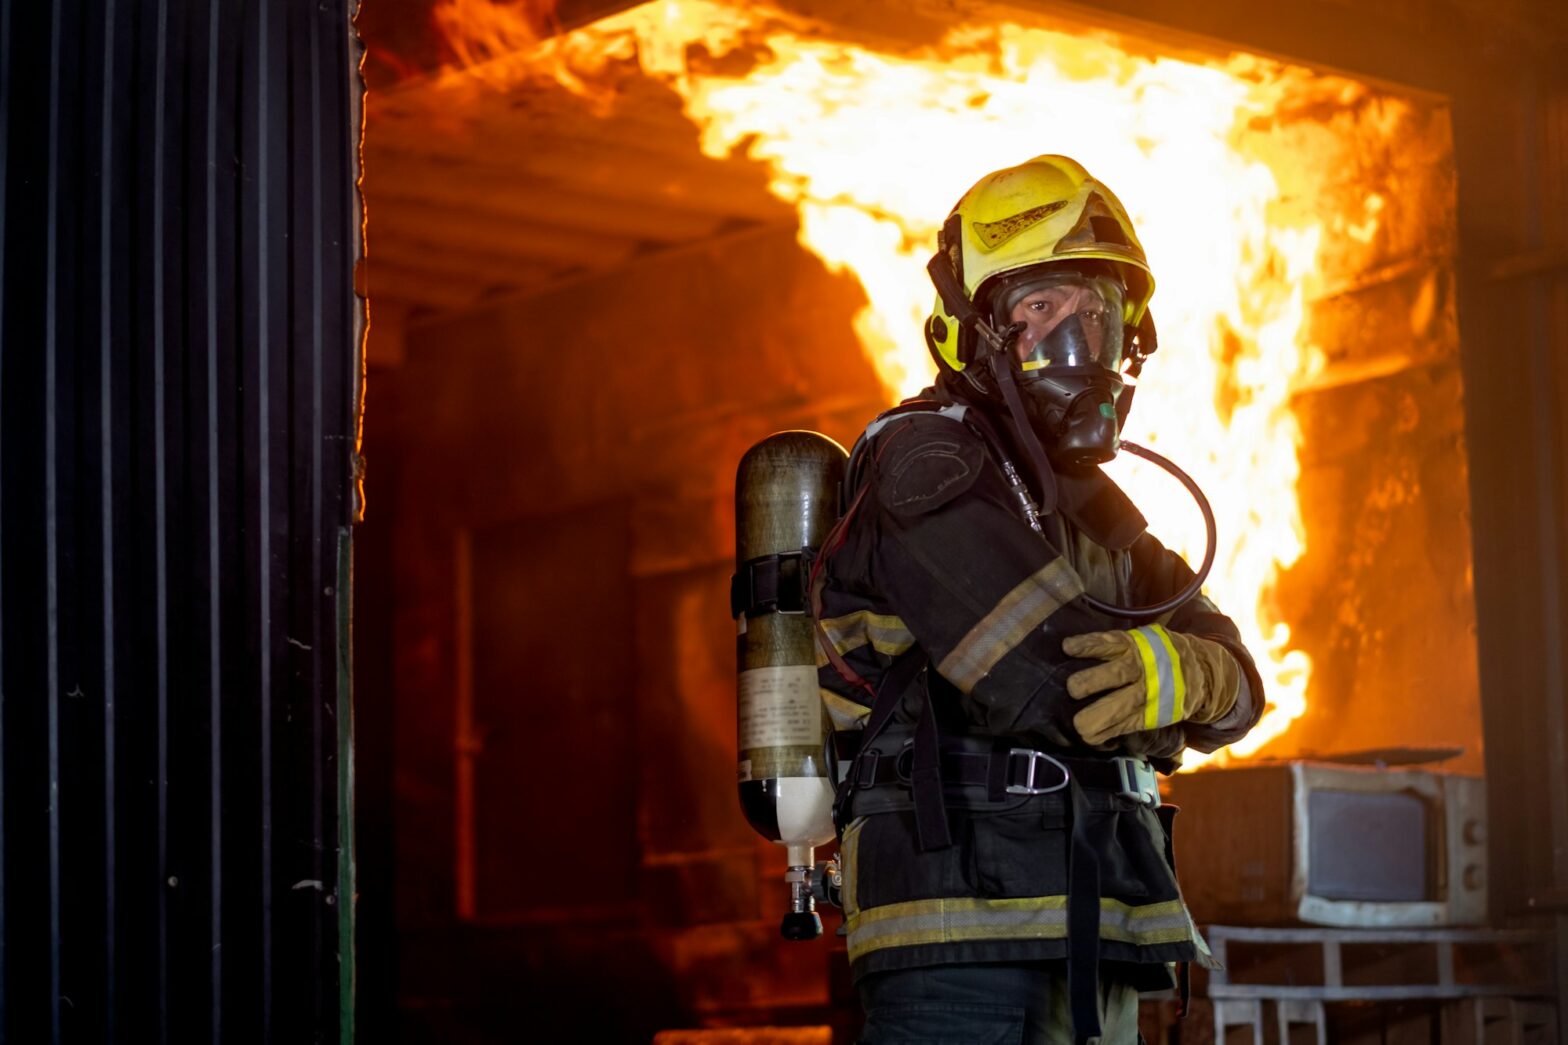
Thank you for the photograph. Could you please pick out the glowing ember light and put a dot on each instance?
(873, 149)
(479, 31)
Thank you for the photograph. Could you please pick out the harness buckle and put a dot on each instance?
(1030, 768)
(794, 596)
(864, 768)
(1138, 781)
(777, 583)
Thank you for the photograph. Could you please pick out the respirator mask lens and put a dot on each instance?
(1069, 320)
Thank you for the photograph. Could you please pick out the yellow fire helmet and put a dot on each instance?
(1046, 210)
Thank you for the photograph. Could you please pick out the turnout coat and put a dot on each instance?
(936, 585)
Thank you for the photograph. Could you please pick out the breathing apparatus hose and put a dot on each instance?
(1002, 372)
(1210, 531)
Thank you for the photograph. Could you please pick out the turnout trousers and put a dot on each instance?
(1003, 1003)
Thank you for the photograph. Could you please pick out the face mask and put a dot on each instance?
(1073, 410)
(1071, 350)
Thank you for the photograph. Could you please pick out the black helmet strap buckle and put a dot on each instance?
(945, 278)
(1142, 342)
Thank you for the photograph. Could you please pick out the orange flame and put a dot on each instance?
(482, 31)
(873, 149)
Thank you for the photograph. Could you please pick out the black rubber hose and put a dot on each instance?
(1196, 584)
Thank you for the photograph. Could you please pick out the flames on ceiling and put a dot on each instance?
(1233, 167)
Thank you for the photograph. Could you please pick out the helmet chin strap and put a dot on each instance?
(1002, 366)
(1001, 363)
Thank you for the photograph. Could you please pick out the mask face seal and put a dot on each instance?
(1069, 354)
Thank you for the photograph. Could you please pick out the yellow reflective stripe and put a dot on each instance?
(1119, 910)
(1151, 680)
(1178, 681)
(1165, 688)
(849, 855)
(1012, 620)
(843, 712)
(885, 632)
(962, 919)
(1035, 364)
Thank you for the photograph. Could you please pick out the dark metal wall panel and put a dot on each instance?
(1514, 419)
(178, 409)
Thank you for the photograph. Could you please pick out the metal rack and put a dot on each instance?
(1499, 1002)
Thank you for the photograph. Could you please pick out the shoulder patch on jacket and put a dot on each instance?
(930, 460)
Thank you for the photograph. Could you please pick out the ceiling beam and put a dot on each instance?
(482, 268)
(730, 189)
(378, 281)
(416, 181)
(520, 240)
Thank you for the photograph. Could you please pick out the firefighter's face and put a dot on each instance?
(1042, 310)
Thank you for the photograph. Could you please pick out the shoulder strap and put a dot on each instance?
(852, 470)
(905, 670)
(851, 495)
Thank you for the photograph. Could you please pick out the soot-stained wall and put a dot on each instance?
(617, 407)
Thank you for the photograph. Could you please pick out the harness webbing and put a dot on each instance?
(926, 790)
(1083, 922)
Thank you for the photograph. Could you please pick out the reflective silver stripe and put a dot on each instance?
(954, 412)
(1012, 620)
(885, 632)
(1137, 925)
(1165, 678)
(958, 920)
(843, 712)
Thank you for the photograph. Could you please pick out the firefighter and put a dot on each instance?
(1008, 873)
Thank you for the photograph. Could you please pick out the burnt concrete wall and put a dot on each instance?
(633, 395)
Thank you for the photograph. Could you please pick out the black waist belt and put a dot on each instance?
(980, 771)
(1005, 770)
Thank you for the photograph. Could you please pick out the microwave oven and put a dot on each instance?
(1326, 844)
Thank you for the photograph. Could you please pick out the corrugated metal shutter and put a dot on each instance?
(178, 410)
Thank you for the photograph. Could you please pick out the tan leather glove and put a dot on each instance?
(1151, 678)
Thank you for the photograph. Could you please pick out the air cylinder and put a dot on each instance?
(786, 501)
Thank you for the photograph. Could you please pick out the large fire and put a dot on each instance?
(873, 149)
